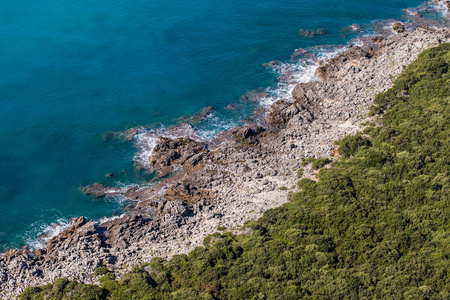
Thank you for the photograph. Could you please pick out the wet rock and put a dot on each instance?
(98, 190)
(301, 53)
(66, 234)
(398, 27)
(377, 39)
(354, 27)
(198, 117)
(272, 64)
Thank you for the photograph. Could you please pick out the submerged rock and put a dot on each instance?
(98, 190)
(198, 117)
(311, 33)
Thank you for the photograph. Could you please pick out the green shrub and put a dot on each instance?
(349, 145)
(320, 163)
(307, 161)
(101, 271)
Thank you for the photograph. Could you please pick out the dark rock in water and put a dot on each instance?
(98, 190)
(272, 64)
(281, 112)
(253, 96)
(198, 117)
(231, 106)
(354, 27)
(398, 27)
(311, 33)
(377, 39)
(301, 52)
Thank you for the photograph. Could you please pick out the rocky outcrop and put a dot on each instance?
(181, 151)
(353, 55)
(66, 234)
(398, 27)
(305, 94)
(281, 112)
(247, 134)
(377, 39)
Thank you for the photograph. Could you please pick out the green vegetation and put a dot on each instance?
(101, 271)
(351, 144)
(375, 226)
(320, 163)
(62, 289)
(283, 188)
(307, 161)
(300, 172)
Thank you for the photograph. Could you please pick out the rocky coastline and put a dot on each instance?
(209, 186)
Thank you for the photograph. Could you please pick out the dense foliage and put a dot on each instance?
(376, 225)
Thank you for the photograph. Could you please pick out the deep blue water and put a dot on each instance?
(73, 69)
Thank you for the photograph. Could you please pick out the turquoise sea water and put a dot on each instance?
(71, 70)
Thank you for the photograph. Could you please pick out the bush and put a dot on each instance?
(101, 271)
(349, 145)
(320, 163)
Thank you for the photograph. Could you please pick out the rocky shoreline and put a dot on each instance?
(206, 187)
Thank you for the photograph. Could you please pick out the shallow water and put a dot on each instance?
(72, 70)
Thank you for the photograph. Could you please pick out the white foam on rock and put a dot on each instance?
(46, 232)
(441, 7)
(302, 71)
(106, 219)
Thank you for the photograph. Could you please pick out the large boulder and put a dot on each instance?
(281, 112)
(246, 132)
(304, 94)
(181, 151)
(398, 27)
